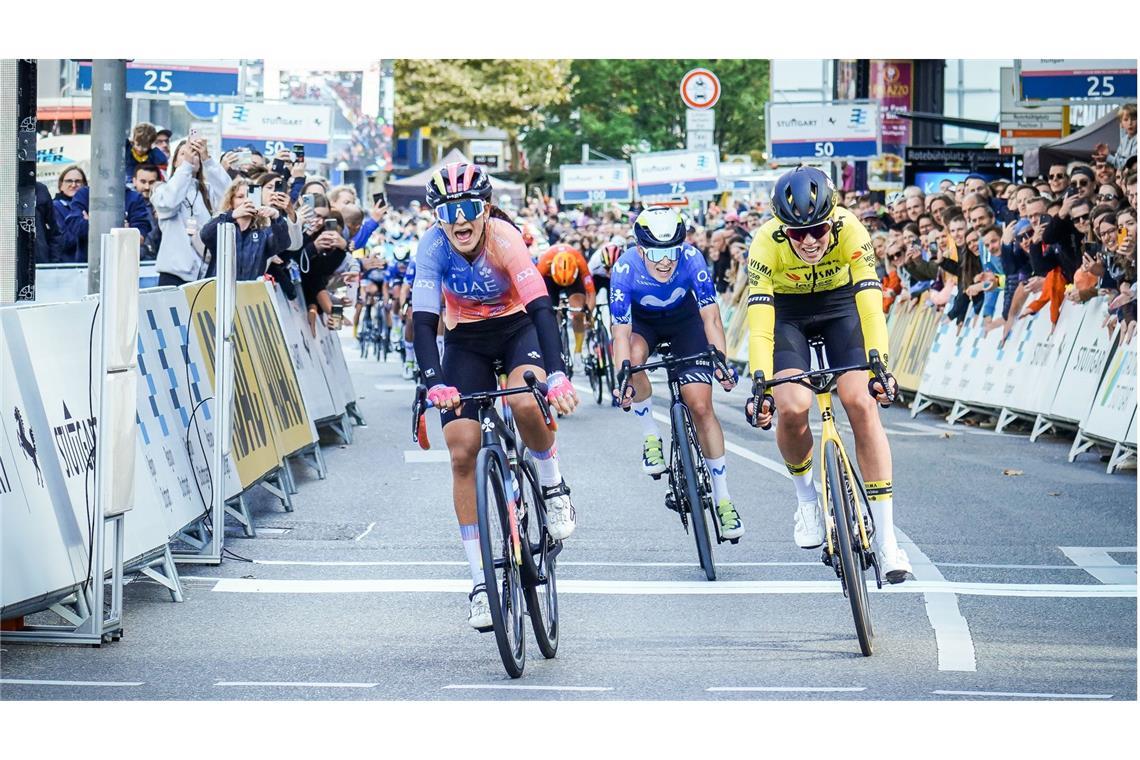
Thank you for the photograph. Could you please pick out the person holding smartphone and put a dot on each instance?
(262, 230)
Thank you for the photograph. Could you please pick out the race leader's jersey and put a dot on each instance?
(501, 280)
(776, 274)
(634, 289)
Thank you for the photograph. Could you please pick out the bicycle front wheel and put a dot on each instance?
(539, 552)
(847, 543)
(501, 571)
(689, 454)
(606, 358)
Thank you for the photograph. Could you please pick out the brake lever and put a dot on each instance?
(759, 386)
(623, 373)
(880, 373)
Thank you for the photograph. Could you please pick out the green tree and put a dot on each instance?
(509, 94)
(620, 107)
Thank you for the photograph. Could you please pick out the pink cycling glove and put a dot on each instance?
(441, 393)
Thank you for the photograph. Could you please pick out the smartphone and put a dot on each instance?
(330, 225)
(279, 168)
(254, 196)
(378, 199)
(307, 200)
(193, 134)
(299, 151)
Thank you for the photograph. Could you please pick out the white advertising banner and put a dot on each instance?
(305, 355)
(594, 183)
(823, 131)
(1084, 366)
(1115, 401)
(271, 127)
(675, 173)
(1049, 351)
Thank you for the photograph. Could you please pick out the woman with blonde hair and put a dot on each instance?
(183, 205)
(262, 228)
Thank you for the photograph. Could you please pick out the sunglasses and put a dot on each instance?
(817, 231)
(1058, 176)
(1079, 183)
(448, 213)
(657, 255)
(1106, 197)
(1080, 219)
(72, 182)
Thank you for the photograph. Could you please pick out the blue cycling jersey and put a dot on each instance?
(632, 287)
(410, 275)
(396, 274)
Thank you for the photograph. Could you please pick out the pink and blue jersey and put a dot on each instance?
(634, 289)
(501, 280)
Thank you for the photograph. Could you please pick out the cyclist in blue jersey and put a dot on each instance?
(406, 312)
(661, 290)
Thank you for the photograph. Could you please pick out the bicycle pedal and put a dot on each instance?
(488, 629)
(733, 540)
(657, 476)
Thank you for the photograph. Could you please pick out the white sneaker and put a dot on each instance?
(559, 511)
(408, 370)
(809, 524)
(893, 563)
(480, 615)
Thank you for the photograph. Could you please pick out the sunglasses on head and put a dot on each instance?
(448, 213)
(657, 255)
(817, 231)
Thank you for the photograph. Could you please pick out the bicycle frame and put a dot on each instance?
(830, 433)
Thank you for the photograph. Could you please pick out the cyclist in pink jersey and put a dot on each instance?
(497, 310)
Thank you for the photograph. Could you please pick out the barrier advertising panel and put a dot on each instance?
(305, 355)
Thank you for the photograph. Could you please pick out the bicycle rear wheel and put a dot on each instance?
(606, 358)
(539, 583)
(500, 571)
(847, 542)
(685, 443)
(567, 357)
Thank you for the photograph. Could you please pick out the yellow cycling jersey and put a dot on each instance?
(775, 269)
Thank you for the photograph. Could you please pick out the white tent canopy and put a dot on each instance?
(403, 191)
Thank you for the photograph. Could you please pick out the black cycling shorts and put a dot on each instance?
(832, 315)
(685, 332)
(553, 289)
(472, 348)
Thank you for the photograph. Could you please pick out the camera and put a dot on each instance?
(299, 151)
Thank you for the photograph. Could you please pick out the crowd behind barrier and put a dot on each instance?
(290, 378)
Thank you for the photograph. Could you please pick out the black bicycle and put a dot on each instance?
(384, 336)
(599, 362)
(519, 556)
(690, 483)
(850, 526)
(566, 331)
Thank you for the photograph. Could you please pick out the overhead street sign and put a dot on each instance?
(1025, 127)
(174, 78)
(1060, 80)
(271, 127)
(823, 131)
(675, 173)
(700, 89)
(595, 183)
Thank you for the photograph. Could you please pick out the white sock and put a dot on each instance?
(801, 477)
(470, 536)
(547, 464)
(882, 512)
(719, 479)
(644, 412)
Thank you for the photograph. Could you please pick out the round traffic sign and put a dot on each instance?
(700, 89)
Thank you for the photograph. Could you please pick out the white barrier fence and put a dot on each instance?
(1076, 374)
(49, 417)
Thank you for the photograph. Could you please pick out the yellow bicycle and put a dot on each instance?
(849, 524)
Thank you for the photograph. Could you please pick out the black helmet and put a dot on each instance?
(458, 181)
(803, 197)
(659, 227)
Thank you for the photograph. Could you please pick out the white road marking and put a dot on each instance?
(35, 682)
(525, 687)
(951, 631)
(1096, 562)
(272, 531)
(765, 462)
(680, 588)
(1020, 695)
(419, 456)
(583, 563)
(786, 688)
(317, 684)
(366, 531)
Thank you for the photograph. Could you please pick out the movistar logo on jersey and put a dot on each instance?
(621, 267)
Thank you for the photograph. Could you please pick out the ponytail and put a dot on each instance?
(498, 213)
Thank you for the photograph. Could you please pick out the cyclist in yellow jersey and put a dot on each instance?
(811, 271)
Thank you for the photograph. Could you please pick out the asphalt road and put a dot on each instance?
(1024, 588)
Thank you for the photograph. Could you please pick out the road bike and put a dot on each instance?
(566, 332)
(850, 527)
(690, 483)
(519, 556)
(599, 361)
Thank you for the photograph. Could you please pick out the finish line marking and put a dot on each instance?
(679, 588)
(951, 631)
(313, 684)
(786, 688)
(34, 682)
(1020, 695)
(526, 687)
(585, 563)
(1095, 561)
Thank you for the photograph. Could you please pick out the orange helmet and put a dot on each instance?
(563, 269)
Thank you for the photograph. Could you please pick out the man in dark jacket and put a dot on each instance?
(47, 234)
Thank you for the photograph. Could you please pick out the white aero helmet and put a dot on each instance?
(659, 227)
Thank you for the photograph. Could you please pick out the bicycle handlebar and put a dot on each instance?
(421, 403)
(712, 353)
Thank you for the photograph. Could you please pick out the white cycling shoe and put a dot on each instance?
(559, 511)
(893, 562)
(809, 531)
(480, 615)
